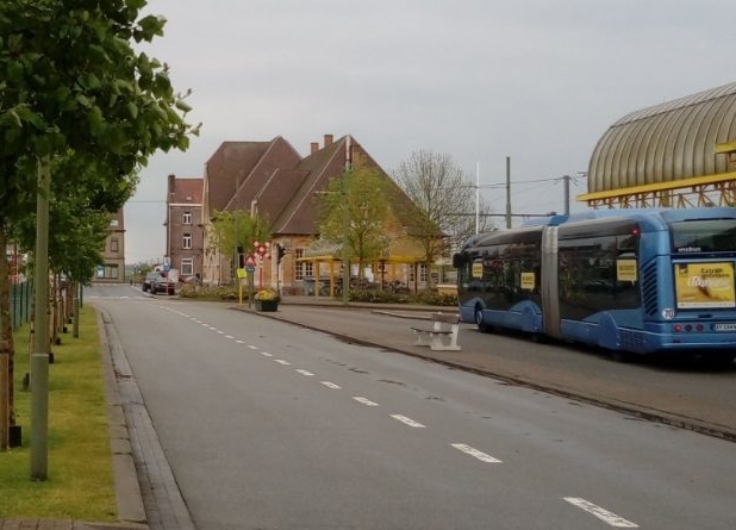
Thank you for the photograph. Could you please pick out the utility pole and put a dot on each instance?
(477, 198)
(508, 192)
(40, 357)
(346, 229)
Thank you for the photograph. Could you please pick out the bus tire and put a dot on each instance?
(478, 317)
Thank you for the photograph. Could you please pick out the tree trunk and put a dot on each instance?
(6, 333)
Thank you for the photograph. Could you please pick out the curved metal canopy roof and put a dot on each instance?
(666, 143)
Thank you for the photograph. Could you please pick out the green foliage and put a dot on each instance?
(238, 229)
(358, 201)
(377, 296)
(209, 293)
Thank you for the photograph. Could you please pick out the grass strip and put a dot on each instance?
(80, 481)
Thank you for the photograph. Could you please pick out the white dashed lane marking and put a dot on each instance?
(239, 342)
(281, 361)
(365, 401)
(252, 347)
(305, 372)
(229, 337)
(475, 453)
(408, 421)
(330, 384)
(266, 354)
(604, 515)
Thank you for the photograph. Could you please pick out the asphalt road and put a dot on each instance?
(268, 425)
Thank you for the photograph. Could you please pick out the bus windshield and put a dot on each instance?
(711, 235)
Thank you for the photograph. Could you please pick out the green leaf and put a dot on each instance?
(15, 71)
(152, 26)
(84, 101)
(183, 106)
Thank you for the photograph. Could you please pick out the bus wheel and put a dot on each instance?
(479, 320)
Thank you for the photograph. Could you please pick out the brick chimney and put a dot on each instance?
(328, 139)
(314, 147)
(172, 183)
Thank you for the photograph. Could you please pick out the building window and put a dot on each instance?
(186, 218)
(187, 267)
(422, 272)
(186, 241)
(298, 265)
(107, 272)
(114, 245)
(114, 223)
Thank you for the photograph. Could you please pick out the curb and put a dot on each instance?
(128, 495)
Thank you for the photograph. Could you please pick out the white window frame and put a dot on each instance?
(186, 218)
(186, 240)
(187, 267)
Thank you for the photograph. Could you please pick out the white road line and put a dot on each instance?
(331, 385)
(604, 515)
(229, 337)
(410, 422)
(281, 361)
(475, 453)
(239, 342)
(305, 372)
(266, 354)
(220, 332)
(365, 401)
(252, 347)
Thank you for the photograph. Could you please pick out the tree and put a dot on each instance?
(441, 190)
(355, 209)
(72, 81)
(238, 229)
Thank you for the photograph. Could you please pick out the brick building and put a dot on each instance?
(273, 180)
(113, 255)
(184, 229)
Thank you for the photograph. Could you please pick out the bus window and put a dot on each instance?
(710, 235)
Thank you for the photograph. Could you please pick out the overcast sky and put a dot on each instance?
(538, 81)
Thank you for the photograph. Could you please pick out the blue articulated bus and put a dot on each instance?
(630, 281)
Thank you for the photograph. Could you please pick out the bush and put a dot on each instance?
(209, 293)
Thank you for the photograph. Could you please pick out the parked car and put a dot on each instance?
(147, 285)
(164, 282)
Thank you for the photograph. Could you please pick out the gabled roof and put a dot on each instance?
(284, 186)
(300, 218)
(228, 168)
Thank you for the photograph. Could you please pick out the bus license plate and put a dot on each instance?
(725, 327)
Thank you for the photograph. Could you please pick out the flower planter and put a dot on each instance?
(267, 305)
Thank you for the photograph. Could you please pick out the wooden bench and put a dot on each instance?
(442, 335)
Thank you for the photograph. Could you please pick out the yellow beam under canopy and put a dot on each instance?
(661, 186)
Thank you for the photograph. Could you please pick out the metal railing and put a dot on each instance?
(21, 300)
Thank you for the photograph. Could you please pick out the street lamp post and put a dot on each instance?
(345, 249)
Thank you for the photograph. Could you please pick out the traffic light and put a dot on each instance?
(241, 258)
(280, 253)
